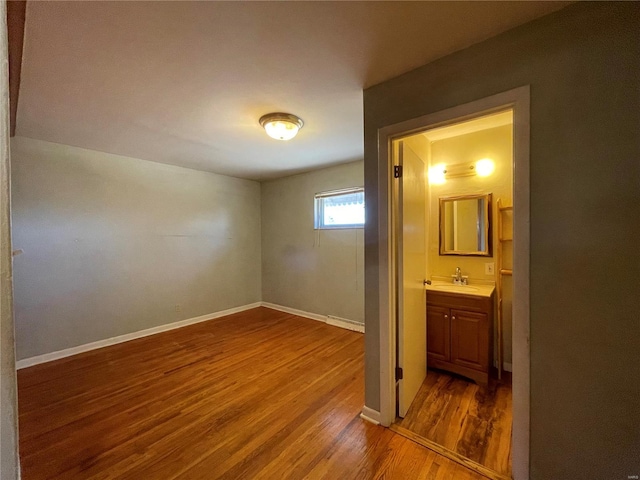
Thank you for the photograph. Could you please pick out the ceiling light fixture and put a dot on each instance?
(281, 126)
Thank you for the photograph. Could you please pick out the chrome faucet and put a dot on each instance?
(458, 278)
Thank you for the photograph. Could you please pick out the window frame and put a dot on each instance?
(318, 211)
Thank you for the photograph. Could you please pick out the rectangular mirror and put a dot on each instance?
(465, 225)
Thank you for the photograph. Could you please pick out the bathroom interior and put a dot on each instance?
(463, 405)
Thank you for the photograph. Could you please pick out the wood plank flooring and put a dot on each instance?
(256, 395)
(469, 419)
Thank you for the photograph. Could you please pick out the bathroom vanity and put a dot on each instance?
(460, 329)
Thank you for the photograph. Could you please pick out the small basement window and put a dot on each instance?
(340, 209)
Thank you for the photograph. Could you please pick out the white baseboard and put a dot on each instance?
(370, 415)
(328, 319)
(67, 352)
(506, 366)
(295, 311)
(344, 323)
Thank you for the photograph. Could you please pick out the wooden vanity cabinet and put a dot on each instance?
(460, 334)
(438, 333)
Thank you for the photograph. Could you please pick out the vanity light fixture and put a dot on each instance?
(440, 173)
(437, 174)
(484, 167)
(281, 126)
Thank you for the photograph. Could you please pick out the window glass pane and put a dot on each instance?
(340, 210)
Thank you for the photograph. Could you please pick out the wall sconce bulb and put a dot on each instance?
(485, 167)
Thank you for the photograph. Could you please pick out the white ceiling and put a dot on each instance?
(184, 83)
(470, 126)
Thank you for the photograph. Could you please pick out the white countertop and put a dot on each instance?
(478, 290)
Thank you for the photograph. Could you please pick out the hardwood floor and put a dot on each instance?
(257, 395)
(469, 419)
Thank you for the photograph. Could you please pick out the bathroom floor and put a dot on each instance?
(470, 419)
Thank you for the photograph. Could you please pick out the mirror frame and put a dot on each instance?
(487, 252)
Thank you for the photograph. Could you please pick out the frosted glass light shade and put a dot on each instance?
(437, 174)
(281, 126)
(485, 167)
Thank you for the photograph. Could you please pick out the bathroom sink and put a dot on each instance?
(479, 289)
(454, 288)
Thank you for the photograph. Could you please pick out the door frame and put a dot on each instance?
(517, 99)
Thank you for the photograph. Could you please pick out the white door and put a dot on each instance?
(412, 325)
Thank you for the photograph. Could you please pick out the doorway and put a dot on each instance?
(452, 392)
(402, 344)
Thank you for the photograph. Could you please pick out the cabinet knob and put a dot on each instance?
(453, 317)
(446, 316)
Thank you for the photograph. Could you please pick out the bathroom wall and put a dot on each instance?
(317, 271)
(113, 245)
(582, 67)
(497, 145)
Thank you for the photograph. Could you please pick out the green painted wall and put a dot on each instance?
(583, 66)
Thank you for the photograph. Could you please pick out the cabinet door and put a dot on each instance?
(470, 339)
(438, 333)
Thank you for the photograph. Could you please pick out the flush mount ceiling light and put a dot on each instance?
(281, 126)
